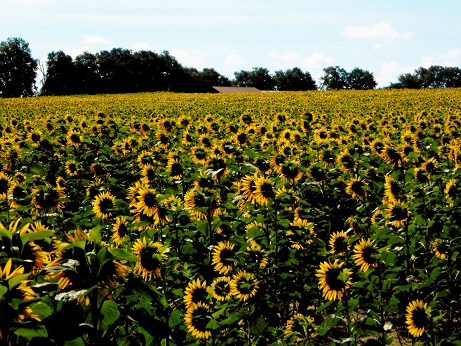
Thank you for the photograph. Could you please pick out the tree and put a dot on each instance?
(359, 79)
(259, 78)
(60, 75)
(294, 80)
(88, 80)
(17, 68)
(335, 78)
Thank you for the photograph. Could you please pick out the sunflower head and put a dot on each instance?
(339, 243)
(195, 292)
(333, 280)
(244, 285)
(365, 254)
(417, 317)
(196, 320)
(151, 256)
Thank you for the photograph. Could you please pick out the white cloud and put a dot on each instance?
(317, 60)
(195, 59)
(234, 60)
(95, 40)
(390, 71)
(379, 33)
(450, 58)
(138, 46)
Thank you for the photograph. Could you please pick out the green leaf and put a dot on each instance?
(32, 332)
(5, 232)
(35, 168)
(76, 342)
(13, 282)
(41, 309)
(26, 238)
(329, 322)
(3, 290)
(175, 318)
(213, 325)
(95, 234)
(122, 255)
(110, 313)
(258, 328)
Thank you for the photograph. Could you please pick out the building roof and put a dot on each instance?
(234, 90)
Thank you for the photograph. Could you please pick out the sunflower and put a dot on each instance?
(151, 255)
(357, 188)
(303, 327)
(300, 233)
(196, 319)
(6, 273)
(195, 292)
(5, 182)
(174, 166)
(345, 161)
(397, 213)
(451, 191)
(244, 285)
(147, 201)
(363, 255)
(18, 195)
(339, 243)
(290, 171)
(440, 249)
(417, 317)
(104, 205)
(74, 138)
(247, 188)
(120, 230)
(71, 168)
(148, 173)
(220, 288)
(254, 255)
(392, 156)
(144, 158)
(48, 199)
(223, 257)
(35, 136)
(392, 189)
(202, 203)
(263, 191)
(333, 287)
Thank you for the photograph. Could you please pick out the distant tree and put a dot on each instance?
(211, 77)
(259, 78)
(293, 79)
(453, 77)
(150, 72)
(334, 78)
(408, 81)
(359, 79)
(88, 80)
(116, 69)
(60, 75)
(17, 68)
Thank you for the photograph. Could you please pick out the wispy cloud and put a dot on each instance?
(141, 46)
(284, 60)
(95, 40)
(379, 34)
(28, 3)
(318, 60)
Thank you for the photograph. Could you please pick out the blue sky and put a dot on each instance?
(387, 37)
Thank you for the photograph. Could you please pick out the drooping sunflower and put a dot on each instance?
(195, 292)
(120, 230)
(440, 248)
(202, 203)
(255, 256)
(264, 190)
(174, 166)
(300, 233)
(196, 319)
(345, 161)
(151, 256)
(392, 156)
(339, 243)
(451, 191)
(331, 285)
(303, 327)
(104, 205)
(48, 199)
(220, 288)
(357, 188)
(364, 253)
(223, 257)
(392, 189)
(244, 285)
(5, 182)
(417, 317)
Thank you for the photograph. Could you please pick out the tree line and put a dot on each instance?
(123, 71)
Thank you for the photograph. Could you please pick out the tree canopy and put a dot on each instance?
(17, 68)
(336, 78)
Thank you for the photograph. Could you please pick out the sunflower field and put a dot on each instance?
(311, 218)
